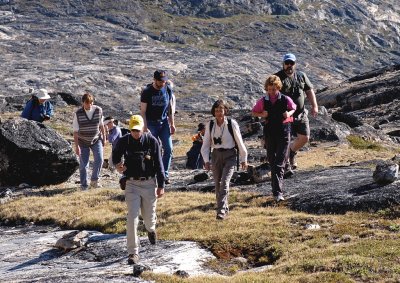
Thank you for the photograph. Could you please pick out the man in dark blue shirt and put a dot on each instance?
(157, 108)
(142, 163)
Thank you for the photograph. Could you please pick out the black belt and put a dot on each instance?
(224, 149)
(140, 178)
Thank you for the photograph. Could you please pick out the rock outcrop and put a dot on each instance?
(33, 153)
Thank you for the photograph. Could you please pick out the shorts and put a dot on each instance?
(301, 125)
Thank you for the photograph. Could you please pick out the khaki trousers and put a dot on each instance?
(223, 166)
(140, 196)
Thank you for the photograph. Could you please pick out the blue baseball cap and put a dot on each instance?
(289, 57)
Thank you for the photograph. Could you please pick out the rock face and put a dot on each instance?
(33, 153)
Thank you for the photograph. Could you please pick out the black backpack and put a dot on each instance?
(230, 129)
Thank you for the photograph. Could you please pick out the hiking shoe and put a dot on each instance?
(279, 198)
(292, 159)
(133, 259)
(152, 237)
(94, 184)
(221, 216)
(167, 181)
(288, 172)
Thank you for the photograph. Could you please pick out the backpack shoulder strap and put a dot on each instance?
(230, 129)
(211, 126)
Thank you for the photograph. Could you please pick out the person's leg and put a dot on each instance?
(271, 154)
(281, 153)
(83, 166)
(132, 199)
(301, 128)
(97, 150)
(217, 167)
(166, 141)
(227, 172)
(149, 204)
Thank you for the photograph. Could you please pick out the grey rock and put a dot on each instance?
(386, 173)
(182, 274)
(72, 240)
(104, 257)
(139, 268)
(33, 153)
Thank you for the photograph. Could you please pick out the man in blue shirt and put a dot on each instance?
(157, 108)
(38, 108)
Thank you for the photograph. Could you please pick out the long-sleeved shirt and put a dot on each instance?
(114, 135)
(37, 112)
(227, 140)
(127, 146)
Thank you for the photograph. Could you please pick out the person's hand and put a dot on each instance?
(285, 115)
(172, 129)
(160, 192)
(120, 167)
(207, 166)
(244, 165)
(314, 111)
(264, 114)
(78, 150)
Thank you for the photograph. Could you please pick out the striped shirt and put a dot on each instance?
(89, 131)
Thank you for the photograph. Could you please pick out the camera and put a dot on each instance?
(217, 140)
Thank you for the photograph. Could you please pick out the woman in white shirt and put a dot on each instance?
(222, 135)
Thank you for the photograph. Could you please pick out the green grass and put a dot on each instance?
(360, 143)
(257, 229)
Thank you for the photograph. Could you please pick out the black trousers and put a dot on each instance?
(277, 151)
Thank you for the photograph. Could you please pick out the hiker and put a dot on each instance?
(296, 85)
(113, 134)
(157, 108)
(194, 158)
(277, 109)
(142, 163)
(38, 108)
(89, 135)
(222, 135)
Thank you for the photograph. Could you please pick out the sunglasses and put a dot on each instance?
(289, 62)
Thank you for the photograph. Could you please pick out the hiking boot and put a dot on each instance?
(221, 216)
(288, 171)
(292, 159)
(167, 181)
(133, 259)
(95, 184)
(279, 198)
(152, 237)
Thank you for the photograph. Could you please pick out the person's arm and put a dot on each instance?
(26, 113)
(171, 113)
(75, 127)
(308, 89)
(258, 109)
(205, 148)
(49, 110)
(143, 109)
(159, 167)
(291, 108)
(313, 100)
(240, 144)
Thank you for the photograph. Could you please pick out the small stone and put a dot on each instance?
(181, 273)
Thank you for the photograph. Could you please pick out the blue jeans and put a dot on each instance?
(97, 150)
(160, 130)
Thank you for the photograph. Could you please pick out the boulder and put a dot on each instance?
(386, 173)
(33, 153)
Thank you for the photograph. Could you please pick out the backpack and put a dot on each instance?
(230, 129)
(140, 163)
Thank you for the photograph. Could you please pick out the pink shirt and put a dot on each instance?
(259, 107)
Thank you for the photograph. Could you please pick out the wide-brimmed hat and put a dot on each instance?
(136, 123)
(42, 94)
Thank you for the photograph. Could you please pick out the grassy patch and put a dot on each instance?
(359, 143)
(256, 229)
